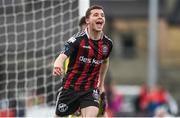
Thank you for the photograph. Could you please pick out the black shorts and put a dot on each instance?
(68, 101)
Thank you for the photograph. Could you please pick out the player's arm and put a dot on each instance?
(59, 65)
(69, 47)
(102, 74)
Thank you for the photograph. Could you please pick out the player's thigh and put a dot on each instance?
(90, 111)
(67, 103)
(89, 103)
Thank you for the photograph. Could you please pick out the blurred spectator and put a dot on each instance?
(156, 97)
(150, 99)
(115, 104)
(113, 97)
(141, 102)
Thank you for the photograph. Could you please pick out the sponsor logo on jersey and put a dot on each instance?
(84, 59)
(90, 60)
(62, 107)
(87, 47)
(105, 49)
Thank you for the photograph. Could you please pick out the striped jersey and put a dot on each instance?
(85, 58)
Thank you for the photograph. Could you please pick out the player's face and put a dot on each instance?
(96, 20)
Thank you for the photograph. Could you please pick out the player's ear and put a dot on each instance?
(87, 20)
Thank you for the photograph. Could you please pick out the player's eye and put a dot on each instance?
(102, 15)
(96, 14)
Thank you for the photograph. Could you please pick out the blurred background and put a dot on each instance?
(142, 79)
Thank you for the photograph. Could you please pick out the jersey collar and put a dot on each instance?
(90, 37)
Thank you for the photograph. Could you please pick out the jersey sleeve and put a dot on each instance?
(110, 45)
(69, 46)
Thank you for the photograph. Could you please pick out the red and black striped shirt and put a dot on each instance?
(85, 58)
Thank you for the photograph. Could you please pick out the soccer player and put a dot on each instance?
(82, 26)
(88, 53)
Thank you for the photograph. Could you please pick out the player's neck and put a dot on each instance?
(94, 35)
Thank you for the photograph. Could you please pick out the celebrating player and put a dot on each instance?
(88, 53)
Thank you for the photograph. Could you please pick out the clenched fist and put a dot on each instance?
(57, 71)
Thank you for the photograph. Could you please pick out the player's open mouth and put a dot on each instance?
(99, 23)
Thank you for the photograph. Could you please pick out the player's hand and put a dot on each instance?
(101, 89)
(103, 103)
(57, 71)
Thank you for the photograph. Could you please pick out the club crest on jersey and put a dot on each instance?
(62, 107)
(105, 49)
(95, 94)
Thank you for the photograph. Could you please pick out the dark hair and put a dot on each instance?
(88, 12)
(82, 21)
